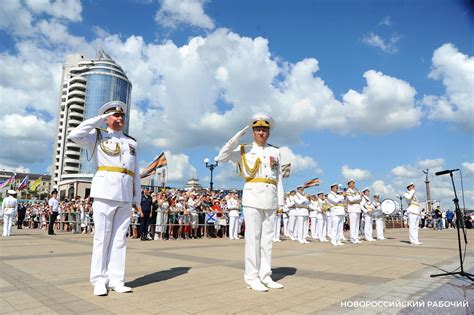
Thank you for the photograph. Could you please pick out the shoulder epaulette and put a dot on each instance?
(127, 135)
(271, 145)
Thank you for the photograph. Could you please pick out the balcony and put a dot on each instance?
(72, 154)
(76, 115)
(73, 122)
(78, 86)
(76, 93)
(77, 108)
(71, 169)
(75, 100)
(71, 144)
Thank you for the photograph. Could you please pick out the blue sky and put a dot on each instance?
(371, 90)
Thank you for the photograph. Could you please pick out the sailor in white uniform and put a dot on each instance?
(414, 214)
(336, 199)
(233, 208)
(301, 204)
(259, 165)
(115, 189)
(379, 219)
(353, 198)
(290, 204)
(367, 208)
(9, 209)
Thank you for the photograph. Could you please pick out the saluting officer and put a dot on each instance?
(259, 164)
(115, 189)
(414, 214)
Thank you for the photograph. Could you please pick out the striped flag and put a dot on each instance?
(7, 181)
(35, 184)
(159, 162)
(23, 184)
(311, 182)
(285, 170)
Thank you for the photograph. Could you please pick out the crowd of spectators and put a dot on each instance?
(176, 214)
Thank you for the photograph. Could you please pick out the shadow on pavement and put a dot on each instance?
(158, 276)
(282, 272)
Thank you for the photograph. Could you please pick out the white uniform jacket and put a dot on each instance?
(412, 200)
(337, 202)
(263, 189)
(290, 204)
(354, 199)
(122, 181)
(366, 205)
(233, 207)
(9, 205)
(301, 204)
(314, 208)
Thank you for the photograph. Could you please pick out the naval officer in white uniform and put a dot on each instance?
(259, 164)
(414, 214)
(115, 189)
(9, 209)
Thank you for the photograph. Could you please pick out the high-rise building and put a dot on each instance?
(86, 84)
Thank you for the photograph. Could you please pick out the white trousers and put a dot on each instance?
(234, 228)
(291, 225)
(379, 225)
(8, 216)
(368, 226)
(259, 226)
(337, 228)
(285, 224)
(328, 224)
(413, 224)
(354, 222)
(321, 221)
(314, 229)
(111, 221)
(277, 228)
(306, 227)
(300, 227)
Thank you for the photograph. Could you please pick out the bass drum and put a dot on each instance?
(388, 206)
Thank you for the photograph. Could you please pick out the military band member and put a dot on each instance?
(328, 229)
(290, 203)
(321, 218)
(115, 189)
(233, 207)
(301, 204)
(413, 214)
(285, 217)
(378, 216)
(353, 208)
(277, 229)
(259, 164)
(314, 210)
(367, 209)
(336, 199)
(9, 209)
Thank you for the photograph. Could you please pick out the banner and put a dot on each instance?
(311, 182)
(159, 162)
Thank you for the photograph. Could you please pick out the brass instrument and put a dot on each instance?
(325, 207)
(369, 206)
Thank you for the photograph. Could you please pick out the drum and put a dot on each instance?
(388, 206)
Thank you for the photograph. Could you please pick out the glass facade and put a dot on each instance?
(105, 82)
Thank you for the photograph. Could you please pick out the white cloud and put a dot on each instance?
(179, 169)
(298, 162)
(25, 139)
(175, 12)
(403, 171)
(468, 166)
(456, 70)
(431, 164)
(14, 168)
(387, 46)
(355, 173)
(68, 9)
(15, 18)
(387, 21)
(384, 190)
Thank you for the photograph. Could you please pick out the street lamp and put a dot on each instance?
(211, 167)
(400, 196)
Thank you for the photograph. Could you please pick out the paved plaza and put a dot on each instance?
(43, 274)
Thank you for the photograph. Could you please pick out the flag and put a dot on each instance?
(159, 162)
(285, 170)
(23, 184)
(7, 181)
(35, 184)
(311, 182)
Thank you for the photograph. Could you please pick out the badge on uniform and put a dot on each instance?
(274, 163)
(132, 149)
